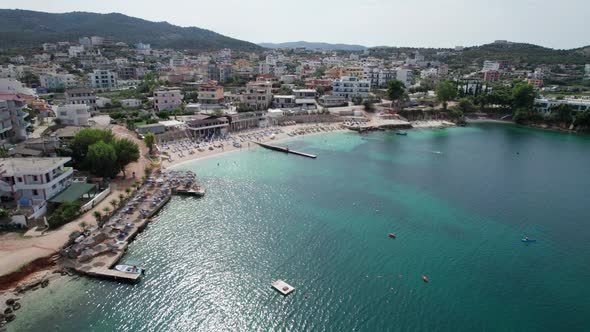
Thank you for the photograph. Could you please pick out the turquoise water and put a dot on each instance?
(459, 201)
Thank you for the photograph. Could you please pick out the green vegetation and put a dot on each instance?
(395, 90)
(445, 92)
(149, 139)
(65, 213)
(99, 152)
(23, 28)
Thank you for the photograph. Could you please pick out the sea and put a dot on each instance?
(459, 200)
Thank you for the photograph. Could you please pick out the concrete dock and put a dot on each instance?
(286, 150)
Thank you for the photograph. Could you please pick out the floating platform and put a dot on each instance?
(286, 150)
(282, 287)
(199, 192)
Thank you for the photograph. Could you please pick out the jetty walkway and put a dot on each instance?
(286, 150)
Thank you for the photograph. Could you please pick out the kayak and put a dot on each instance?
(391, 235)
(425, 278)
(528, 240)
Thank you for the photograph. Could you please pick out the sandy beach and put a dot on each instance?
(228, 147)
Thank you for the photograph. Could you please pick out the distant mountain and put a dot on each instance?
(321, 46)
(24, 28)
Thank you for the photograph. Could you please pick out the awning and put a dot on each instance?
(73, 192)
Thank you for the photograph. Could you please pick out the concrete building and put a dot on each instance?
(258, 95)
(381, 76)
(13, 120)
(358, 72)
(49, 47)
(207, 126)
(490, 65)
(587, 70)
(58, 81)
(75, 51)
(103, 79)
(167, 100)
(33, 181)
(154, 128)
(536, 83)
(350, 87)
(305, 98)
(130, 103)
(491, 76)
(210, 93)
(74, 115)
(247, 120)
(283, 101)
(332, 101)
(545, 105)
(81, 97)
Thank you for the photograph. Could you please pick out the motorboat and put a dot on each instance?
(401, 133)
(130, 267)
(527, 239)
(391, 235)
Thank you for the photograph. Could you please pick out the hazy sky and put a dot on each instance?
(436, 23)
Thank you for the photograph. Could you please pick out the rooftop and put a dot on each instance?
(12, 166)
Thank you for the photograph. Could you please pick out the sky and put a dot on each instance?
(414, 23)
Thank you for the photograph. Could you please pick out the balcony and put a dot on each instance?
(67, 172)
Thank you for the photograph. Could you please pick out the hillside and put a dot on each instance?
(23, 28)
(321, 46)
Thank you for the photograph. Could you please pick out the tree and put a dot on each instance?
(465, 105)
(127, 152)
(84, 139)
(369, 106)
(97, 216)
(562, 112)
(523, 96)
(445, 92)
(65, 213)
(149, 139)
(395, 90)
(102, 159)
(164, 115)
(114, 203)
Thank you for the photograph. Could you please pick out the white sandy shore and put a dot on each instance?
(177, 161)
(432, 124)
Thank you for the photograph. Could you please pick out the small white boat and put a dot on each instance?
(132, 269)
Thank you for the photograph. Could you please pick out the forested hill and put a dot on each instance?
(23, 28)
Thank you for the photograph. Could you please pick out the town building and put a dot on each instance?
(207, 126)
(103, 79)
(167, 100)
(491, 76)
(154, 128)
(73, 115)
(247, 120)
(130, 103)
(350, 87)
(58, 81)
(81, 96)
(210, 93)
(332, 101)
(49, 47)
(534, 82)
(283, 101)
(13, 119)
(258, 95)
(33, 181)
(490, 65)
(305, 98)
(545, 105)
(75, 51)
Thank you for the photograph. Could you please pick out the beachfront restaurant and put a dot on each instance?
(207, 126)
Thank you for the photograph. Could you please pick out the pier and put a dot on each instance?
(286, 150)
(96, 251)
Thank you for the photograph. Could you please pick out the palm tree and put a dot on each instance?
(106, 210)
(128, 191)
(114, 203)
(97, 215)
(121, 199)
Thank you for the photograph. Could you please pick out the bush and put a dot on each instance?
(65, 213)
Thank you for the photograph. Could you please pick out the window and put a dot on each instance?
(35, 178)
(35, 192)
(20, 179)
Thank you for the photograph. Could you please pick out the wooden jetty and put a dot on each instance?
(286, 150)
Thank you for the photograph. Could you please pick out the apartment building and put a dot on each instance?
(81, 97)
(13, 120)
(103, 79)
(283, 101)
(74, 115)
(258, 95)
(210, 93)
(32, 181)
(58, 81)
(350, 87)
(167, 100)
(305, 98)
